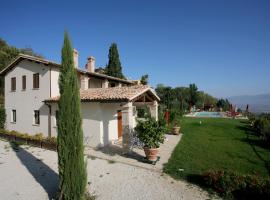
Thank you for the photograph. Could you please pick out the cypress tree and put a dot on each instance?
(114, 67)
(71, 165)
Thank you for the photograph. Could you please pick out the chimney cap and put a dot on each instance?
(91, 58)
(75, 51)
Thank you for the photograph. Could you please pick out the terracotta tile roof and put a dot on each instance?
(113, 94)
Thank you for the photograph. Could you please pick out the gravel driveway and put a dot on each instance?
(31, 173)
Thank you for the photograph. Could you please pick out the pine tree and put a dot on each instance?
(114, 66)
(71, 165)
(144, 79)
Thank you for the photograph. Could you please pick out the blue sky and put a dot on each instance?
(222, 46)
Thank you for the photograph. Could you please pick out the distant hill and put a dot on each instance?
(257, 103)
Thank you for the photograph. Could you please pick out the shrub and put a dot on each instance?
(266, 131)
(52, 140)
(38, 136)
(175, 115)
(150, 132)
(2, 117)
(232, 185)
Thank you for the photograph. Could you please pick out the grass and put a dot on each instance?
(218, 144)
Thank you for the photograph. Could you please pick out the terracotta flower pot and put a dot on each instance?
(151, 153)
(176, 130)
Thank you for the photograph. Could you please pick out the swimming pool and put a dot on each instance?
(207, 114)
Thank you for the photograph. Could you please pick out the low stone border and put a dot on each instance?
(36, 143)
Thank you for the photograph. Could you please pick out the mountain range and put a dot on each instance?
(257, 103)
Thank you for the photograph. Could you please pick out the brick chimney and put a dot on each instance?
(90, 66)
(76, 58)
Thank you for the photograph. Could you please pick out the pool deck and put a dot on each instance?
(194, 114)
(222, 115)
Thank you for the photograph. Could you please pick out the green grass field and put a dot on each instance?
(218, 144)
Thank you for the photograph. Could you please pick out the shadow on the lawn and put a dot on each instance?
(42, 173)
(248, 130)
(255, 142)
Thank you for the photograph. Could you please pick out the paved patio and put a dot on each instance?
(115, 153)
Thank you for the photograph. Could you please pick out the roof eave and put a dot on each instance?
(47, 62)
(145, 90)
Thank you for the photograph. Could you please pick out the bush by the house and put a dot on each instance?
(232, 185)
(2, 117)
(150, 132)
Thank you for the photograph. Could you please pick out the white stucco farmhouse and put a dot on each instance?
(108, 104)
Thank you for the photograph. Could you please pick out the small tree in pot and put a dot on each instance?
(176, 127)
(151, 133)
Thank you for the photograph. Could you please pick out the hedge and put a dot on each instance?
(235, 186)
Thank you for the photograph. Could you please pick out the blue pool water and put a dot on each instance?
(207, 114)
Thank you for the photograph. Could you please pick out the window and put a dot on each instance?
(36, 117)
(112, 85)
(36, 81)
(13, 83)
(13, 116)
(23, 82)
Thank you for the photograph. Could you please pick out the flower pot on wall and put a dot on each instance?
(151, 153)
(176, 130)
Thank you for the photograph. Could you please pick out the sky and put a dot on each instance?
(223, 46)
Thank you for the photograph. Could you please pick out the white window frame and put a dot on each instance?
(12, 118)
(34, 118)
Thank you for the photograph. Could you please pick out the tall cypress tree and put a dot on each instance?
(71, 165)
(114, 67)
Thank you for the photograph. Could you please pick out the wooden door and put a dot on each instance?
(119, 121)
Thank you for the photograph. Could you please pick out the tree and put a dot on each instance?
(192, 95)
(71, 165)
(114, 66)
(166, 95)
(205, 101)
(223, 104)
(144, 79)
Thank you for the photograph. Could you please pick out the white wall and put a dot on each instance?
(109, 122)
(91, 123)
(54, 82)
(25, 102)
(99, 122)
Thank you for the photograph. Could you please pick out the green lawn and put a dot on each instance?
(219, 144)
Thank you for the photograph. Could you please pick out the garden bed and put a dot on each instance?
(45, 143)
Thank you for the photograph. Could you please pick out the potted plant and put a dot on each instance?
(151, 133)
(176, 128)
